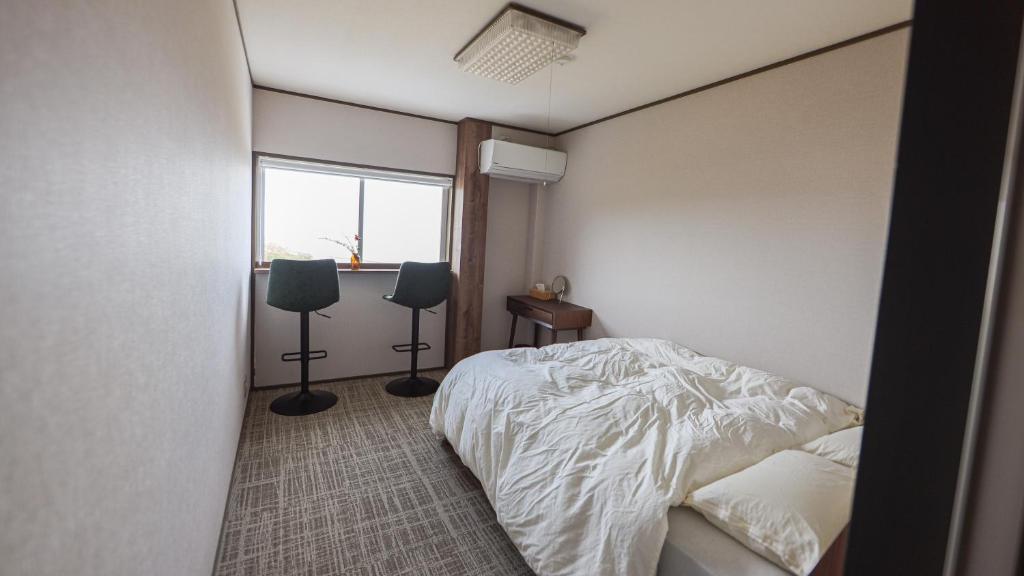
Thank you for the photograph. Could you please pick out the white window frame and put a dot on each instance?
(263, 161)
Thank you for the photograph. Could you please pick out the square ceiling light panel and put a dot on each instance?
(517, 43)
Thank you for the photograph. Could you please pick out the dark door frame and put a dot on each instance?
(989, 517)
(950, 166)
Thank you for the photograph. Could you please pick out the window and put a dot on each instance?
(309, 210)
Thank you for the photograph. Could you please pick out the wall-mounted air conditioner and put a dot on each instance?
(512, 161)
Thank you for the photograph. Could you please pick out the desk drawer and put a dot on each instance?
(526, 311)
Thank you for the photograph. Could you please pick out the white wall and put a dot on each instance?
(507, 260)
(311, 128)
(124, 232)
(747, 221)
(358, 338)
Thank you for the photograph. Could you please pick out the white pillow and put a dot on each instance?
(842, 447)
(789, 507)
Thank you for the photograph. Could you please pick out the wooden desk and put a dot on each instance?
(550, 314)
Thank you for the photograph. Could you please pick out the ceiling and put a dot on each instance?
(397, 54)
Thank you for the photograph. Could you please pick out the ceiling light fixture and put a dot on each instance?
(518, 42)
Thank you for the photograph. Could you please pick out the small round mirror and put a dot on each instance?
(560, 285)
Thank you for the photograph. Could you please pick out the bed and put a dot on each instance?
(586, 450)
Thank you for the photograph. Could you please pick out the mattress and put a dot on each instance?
(695, 547)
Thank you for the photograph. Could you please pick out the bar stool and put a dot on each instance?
(419, 285)
(303, 286)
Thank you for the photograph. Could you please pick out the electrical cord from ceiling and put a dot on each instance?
(551, 80)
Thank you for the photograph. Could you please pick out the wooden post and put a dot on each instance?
(468, 244)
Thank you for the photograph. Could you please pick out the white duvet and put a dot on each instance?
(583, 447)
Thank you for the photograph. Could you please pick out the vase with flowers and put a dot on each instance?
(351, 246)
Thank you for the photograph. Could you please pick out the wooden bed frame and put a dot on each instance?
(831, 564)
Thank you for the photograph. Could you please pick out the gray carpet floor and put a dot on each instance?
(364, 488)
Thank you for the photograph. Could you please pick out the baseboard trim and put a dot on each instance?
(341, 379)
(231, 484)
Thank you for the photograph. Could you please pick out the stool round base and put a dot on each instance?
(412, 387)
(303, 403)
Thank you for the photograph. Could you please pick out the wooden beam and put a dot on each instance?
(468, 244)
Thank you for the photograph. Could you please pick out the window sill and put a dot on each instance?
(266, 270)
